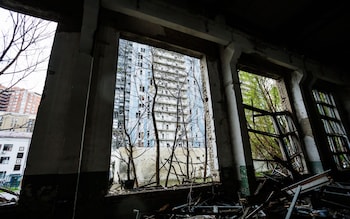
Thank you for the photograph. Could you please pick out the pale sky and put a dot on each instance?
(35, 81)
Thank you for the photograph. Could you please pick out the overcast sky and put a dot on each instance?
(35, 81)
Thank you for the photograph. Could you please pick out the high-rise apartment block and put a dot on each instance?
(160, 84)
(19, 100)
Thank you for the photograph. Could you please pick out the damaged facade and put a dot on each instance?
(67, 173)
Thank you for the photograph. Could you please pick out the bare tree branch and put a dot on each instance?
(22, 49)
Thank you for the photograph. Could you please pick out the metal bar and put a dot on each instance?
(263, 133)
(292, 204)
(310, 183)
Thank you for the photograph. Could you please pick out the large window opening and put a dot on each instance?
(273, 135)
(162, 127)
(337, 139)
(25, 48)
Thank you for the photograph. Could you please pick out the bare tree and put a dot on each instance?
(155, 127)
(177, 96)
(22, 47)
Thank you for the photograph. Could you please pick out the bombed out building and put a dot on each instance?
(295, 127)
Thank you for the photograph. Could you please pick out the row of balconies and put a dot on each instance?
(171, 79)
(169, 58)
(172, 102)
(158, 64)
(171, 114)
(168, 94)
(167, 53)
(173, 87)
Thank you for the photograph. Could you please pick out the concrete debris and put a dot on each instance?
(314, 197)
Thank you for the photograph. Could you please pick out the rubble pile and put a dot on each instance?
(314, 197)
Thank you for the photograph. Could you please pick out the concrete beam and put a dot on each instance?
(177, 19)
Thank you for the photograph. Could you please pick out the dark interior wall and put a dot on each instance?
(74, 180)
(67, 174)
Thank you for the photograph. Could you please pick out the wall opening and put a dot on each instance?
(273, 135)
(337, 139)
(163, 133)
(25, 47)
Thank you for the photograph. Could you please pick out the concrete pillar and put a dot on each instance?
(49, 181)
(311, 150)
(228, 175)
(68, 161)
(236, 118)
(93, 181)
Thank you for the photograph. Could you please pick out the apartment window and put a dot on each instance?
(17, 167)
(14, 122)
(8, 147)
(20, 155)
(30, 126)
(4, 160)
(2, 174)
(338, 142)
(273, 136)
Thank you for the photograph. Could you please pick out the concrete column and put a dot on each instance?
(96, 152)
(50, 183)
(53, 161)
(311, 150)
(228, 176)
(238, 130)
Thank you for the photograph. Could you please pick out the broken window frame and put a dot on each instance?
(336, 136)
(292, 161)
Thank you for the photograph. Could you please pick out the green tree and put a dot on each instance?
(260, 95)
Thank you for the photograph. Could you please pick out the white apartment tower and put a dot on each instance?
(172, 104)
(171, 79)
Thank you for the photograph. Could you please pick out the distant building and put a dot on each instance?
(18, 109)
(4, 98)
(179, 108)
(19, 100)
(14, 148)
(16, 122)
